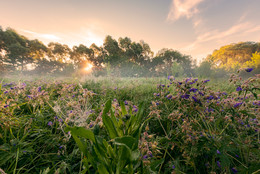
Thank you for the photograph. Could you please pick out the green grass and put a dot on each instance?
(177, 134)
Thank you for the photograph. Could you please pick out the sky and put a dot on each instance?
(193, 27)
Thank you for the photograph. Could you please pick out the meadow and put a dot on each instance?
(129, 125)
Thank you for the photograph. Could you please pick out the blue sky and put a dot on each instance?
(193, 27)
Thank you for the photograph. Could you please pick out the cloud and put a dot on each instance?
(49, 37)
(208, 41)
(183, 8)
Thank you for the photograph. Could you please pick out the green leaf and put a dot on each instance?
(124, 112)
(135, 155)
(156, 164)
(81, 132)
(102, 169)
(128, 141)
(108, 122)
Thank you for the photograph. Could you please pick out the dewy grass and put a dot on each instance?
(152, 125)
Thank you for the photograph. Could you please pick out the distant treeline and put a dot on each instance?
(123, 58)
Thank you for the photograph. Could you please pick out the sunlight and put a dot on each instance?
(89, 67)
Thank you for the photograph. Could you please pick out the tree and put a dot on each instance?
(113, 51)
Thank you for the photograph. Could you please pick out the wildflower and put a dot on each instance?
(39, 89)
(145, 157)
(234, 170)
(249, 69)
(218, 163)
(193, 90)
(186, 96)
(210, 97)
(201, 93)
(126, 103)
(237, 105)
(239, 88)
(218, 152)
(170, 78)
(205, 81)
(150, 153)
(135, 108)
(60, 120)
(5, 106)
(173, 166)
(50, 123)
(195, 99)
(5, 92)
(169, 96)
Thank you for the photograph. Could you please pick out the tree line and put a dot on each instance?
(121, 57)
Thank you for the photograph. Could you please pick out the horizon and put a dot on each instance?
(194, 28)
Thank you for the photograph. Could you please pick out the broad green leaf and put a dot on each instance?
(108, 122)
(82, 132)
(124, 112)
(102, 169)
(135, 155)
(129, 141)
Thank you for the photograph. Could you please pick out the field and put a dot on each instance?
(129, 125)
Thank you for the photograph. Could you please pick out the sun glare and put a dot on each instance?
(88, 67)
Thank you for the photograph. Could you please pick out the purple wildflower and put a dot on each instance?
(234, 170)
(126, 103)
(218, 163)
(210, 97)
(169, 96)
(39, 89)
(5, 106)
(249, 69)
(237, 105)
(173, 166)
(145, 157)
(193, 90)
(186, 96)
(201, 93)
(218, 152)
(50, 123)
(205, 81)
(239, 88)
(195, 99)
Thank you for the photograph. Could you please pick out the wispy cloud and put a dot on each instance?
(221, 36)
(183, 8)
(207, 42)
(49, 37)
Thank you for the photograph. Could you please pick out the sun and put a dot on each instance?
(89, 67)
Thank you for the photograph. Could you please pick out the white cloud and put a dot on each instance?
(183, 8)
(206, 42)
(49, 37)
